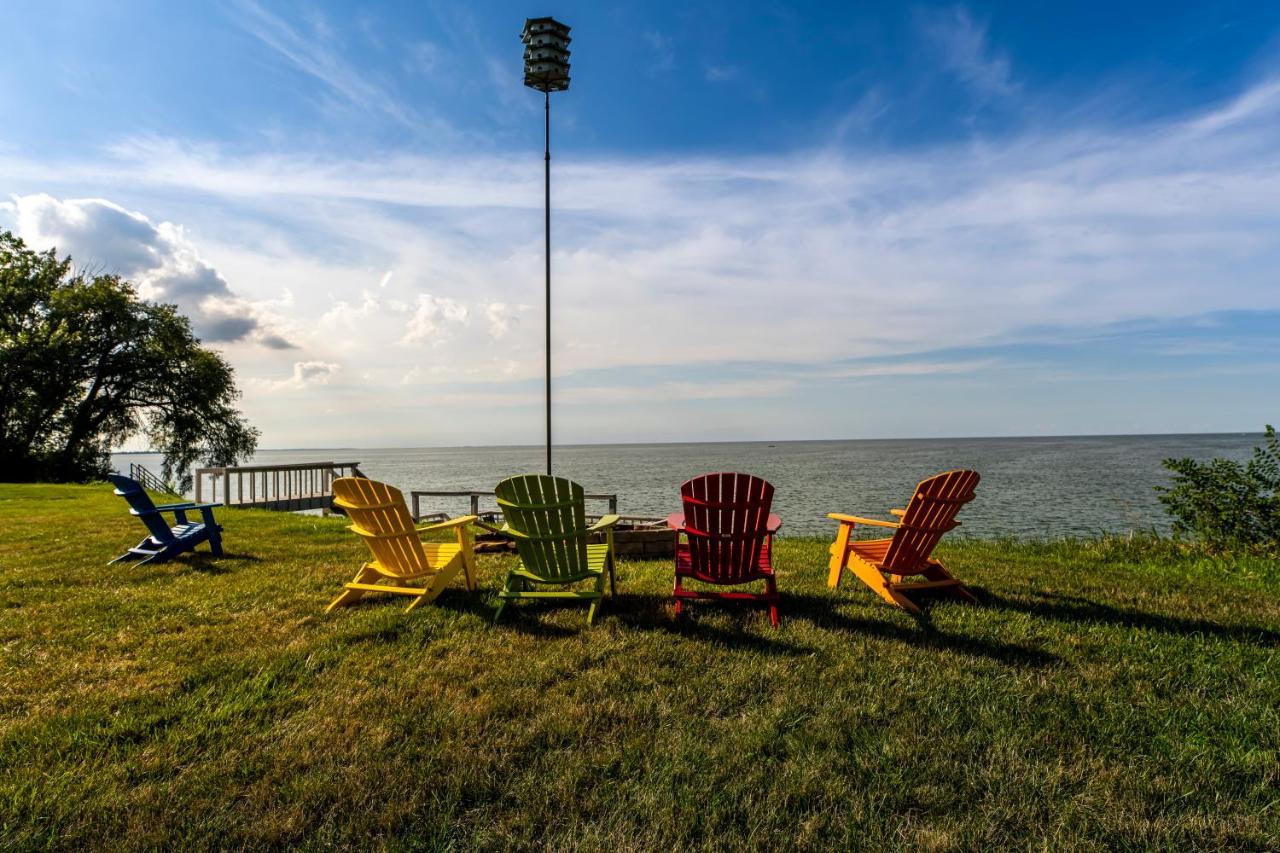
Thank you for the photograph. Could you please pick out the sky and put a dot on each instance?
(770, 221)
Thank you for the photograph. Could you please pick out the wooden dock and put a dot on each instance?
(290, 488)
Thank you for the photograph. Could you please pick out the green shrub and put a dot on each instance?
(1226, 504)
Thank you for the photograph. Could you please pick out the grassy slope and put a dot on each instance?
(1106, 693)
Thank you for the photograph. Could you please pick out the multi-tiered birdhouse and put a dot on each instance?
(546, 54)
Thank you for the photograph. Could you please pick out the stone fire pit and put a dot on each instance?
(641, 539)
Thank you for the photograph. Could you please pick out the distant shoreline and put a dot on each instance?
(768, 441)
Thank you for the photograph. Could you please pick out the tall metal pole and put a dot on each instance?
(547, 159)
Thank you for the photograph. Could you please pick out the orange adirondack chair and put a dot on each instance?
(402, 563)
(886, 565)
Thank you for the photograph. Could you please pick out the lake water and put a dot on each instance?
(1040, 487)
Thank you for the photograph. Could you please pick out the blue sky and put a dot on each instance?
(771, 221)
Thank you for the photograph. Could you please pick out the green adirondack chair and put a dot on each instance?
(547, 519)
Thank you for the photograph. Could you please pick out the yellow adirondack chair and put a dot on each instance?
(885, 565)
(402, 563)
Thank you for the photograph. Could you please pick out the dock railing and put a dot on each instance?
(150, 481)
(306, 485)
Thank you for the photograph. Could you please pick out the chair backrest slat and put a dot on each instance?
(931, 513)
(551, 514)
(143, 507)
(379, 516)
(726, 519)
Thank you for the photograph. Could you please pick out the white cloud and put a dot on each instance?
(306, 374)
(434, 319)
(501, 317)
(422, 57)
(346, 316)
(964, 49)
(160, 259)
(747, 389)
(664, 55)
(314, 54)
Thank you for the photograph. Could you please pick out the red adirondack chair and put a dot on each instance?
(728, 538)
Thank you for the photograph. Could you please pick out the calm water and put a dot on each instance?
(1030, 486)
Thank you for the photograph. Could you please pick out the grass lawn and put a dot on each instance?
(1105, 694)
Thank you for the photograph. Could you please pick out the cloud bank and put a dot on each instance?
(159, 258)
(420, 270)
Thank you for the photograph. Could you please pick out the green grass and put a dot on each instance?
(1106, 693)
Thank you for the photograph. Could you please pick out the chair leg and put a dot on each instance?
(675, 593)
(215, 541)
(348, 596)
(872, 577)
(839, 556)
(127, 554)
(595, 604)
(771, 587)
(160, 557)
(503, 601)
(439, 581)
(468, 558)
(937, 572)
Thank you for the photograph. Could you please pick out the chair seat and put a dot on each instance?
(871, 550)
(684, 568)
(182, 531)
(596, 557)
(439, 556)
(874, 551)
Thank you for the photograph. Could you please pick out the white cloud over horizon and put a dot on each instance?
(811, 258)
(159, 258)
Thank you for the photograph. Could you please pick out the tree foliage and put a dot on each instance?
(85, 365)
(1226, 504)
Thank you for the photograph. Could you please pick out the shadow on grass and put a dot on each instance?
(650, 613)
(456, 600)
(203, 561)
(192, 561)
(1070, 608)
(749, 630)
(824, 612)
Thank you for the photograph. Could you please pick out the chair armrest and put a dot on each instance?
(170, 507)
(773, 525)
(898, 512)
(675, 521)
(447, 525)
(605, 521)
(505, 530)
(857, 519)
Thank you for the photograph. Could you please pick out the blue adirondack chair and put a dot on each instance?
(165, 541)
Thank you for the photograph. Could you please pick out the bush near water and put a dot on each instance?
(1225, 504)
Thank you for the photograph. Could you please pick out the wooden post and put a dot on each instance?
(475, 503)
(417, 510)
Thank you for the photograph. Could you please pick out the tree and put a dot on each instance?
(1226, 504)
(85, 364)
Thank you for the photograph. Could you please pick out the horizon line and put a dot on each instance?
(729, 441)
